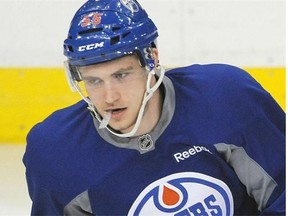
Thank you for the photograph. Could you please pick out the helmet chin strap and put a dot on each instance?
(147, 96)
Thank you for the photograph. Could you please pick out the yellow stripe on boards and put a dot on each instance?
(28, 95)
(273, 80)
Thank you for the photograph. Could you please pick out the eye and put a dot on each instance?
(120, 76)
(93, 82)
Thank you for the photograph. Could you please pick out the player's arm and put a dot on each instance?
(257, 152)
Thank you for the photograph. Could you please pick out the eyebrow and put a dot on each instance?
(129, 68)
(123, 70)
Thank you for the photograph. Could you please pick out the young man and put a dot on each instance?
(199, 140)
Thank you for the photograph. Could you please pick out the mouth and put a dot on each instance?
(117, 112)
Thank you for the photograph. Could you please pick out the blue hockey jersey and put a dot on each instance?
(218, 149)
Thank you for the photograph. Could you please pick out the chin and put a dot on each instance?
(121, 128)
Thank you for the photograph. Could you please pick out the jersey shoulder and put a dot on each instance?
(221, 91)
(218, 81)
(62, 130)
(60, 121)
(212, 74)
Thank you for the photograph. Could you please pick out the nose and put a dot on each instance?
(111, 93)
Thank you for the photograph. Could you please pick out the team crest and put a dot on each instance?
(130, 5)
(186, 193)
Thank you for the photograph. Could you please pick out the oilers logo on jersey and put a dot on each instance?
(186, 193)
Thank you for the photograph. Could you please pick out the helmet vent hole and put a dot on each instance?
(125, 34)
(114, 29)
(70, 49)
(115, 40)
(90, 31)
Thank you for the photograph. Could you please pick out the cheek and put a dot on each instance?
(136, 94)
(95, 96)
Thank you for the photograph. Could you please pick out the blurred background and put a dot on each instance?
(249, 34)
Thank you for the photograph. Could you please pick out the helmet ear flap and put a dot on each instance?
(145, 57)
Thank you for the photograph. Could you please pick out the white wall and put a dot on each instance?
(241, 32)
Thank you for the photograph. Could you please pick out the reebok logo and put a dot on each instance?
(181, 156)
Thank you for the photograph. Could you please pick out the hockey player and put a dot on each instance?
(196, 140)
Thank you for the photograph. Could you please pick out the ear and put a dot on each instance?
(155, 54)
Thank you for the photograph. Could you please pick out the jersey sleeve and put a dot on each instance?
(257, 151)
(48, 159)
(44, 202)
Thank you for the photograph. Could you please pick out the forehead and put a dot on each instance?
(128, 62)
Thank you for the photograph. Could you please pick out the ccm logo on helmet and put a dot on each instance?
(91, 46)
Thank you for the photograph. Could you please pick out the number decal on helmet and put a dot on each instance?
(91, 19)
